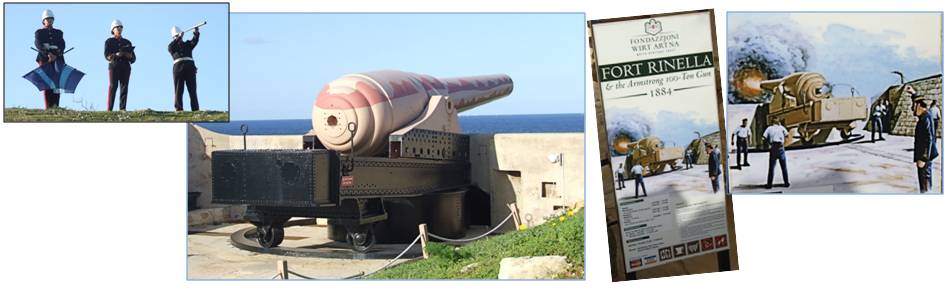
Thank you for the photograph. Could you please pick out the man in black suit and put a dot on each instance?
(184, 70)
(120, 55)
(925, 150)
(715, 169)
(49, 45)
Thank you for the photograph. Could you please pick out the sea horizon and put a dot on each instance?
(471, 124)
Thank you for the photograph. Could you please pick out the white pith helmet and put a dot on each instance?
(116, 23)
(175, 31)
(48, 14)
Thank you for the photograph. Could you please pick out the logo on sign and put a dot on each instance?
(653, 27)
(693, 247)
(679, 250)
(649, 260)
(666, 254)
(347, 181)
(721, 241)
(707, 244)
(636, 263)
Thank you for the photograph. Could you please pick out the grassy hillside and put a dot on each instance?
(563, 236)
(146, 115)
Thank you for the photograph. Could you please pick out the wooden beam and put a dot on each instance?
(518, 221)
(282, 268)
(423, 240)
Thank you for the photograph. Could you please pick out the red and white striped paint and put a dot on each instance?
(381, 102)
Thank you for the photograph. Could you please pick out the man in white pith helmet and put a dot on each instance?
(185, 70)
(120, 55)
(49, 44)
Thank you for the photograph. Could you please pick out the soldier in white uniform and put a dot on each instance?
(740, 140)
(637, 173)
(774, 135)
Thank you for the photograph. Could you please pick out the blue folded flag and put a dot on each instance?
(55, 76)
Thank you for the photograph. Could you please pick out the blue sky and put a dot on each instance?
(860, 49)
(86, 26)
(281, 61)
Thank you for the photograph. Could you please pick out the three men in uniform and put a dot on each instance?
(119, 53)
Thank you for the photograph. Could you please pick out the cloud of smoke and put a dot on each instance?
(629, 122)
(776, 50)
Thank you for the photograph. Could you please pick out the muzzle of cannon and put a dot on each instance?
(805, 87)
(372, 105)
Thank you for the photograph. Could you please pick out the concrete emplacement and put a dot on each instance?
(540, 172)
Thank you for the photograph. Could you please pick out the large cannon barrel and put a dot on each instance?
(806, 86)
(381, 102)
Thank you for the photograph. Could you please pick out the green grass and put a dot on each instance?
(17, 114)
(446, 262)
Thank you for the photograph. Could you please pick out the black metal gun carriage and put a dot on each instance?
(278, 185)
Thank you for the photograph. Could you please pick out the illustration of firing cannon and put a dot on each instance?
(649, 152)
(806, 106)
(379, 140)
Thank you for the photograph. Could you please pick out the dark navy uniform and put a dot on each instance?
(620, 177)
(876, 123)
(46, 38)
(688, 159)
(185, 71)
(637, 172)
(741, 135)
(715, 162)
(925, 149)
(775, 135)
(119, 69)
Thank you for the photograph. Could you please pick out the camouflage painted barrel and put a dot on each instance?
(381, 102)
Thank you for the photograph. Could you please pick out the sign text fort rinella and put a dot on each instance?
(654, 38)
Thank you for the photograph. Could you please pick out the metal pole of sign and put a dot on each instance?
(725, 264)
(244, 129)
